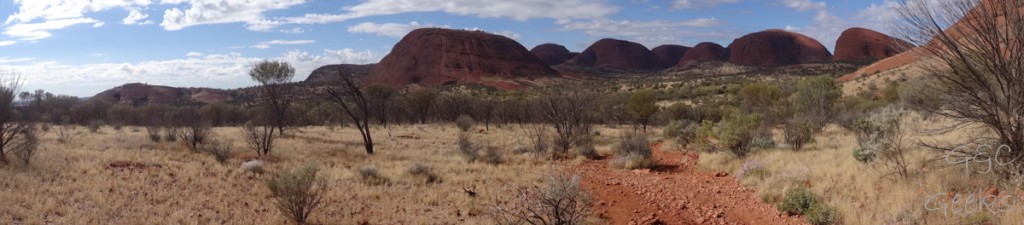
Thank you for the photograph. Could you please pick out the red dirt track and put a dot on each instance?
(674, 192)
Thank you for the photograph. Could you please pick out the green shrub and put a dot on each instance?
(297, 192)
(736, 132)
(799, 132)
(821, 214)
(797, 201)
(682, 131)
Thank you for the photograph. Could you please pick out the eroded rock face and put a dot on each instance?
(859, 44)
(329, 73)
(668, 55)
(552, 54)
(616, 54)
(777, 48)
(435, 56)
(705, 52)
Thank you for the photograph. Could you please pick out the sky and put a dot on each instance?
(82, 47)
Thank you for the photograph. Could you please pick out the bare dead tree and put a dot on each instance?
(567, 112)
(352, 101)
(16, 130)
(975, 51)
(260, 138)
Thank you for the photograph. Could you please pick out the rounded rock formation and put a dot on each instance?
(616, 54)
(552, 54)
(436, 56)
(705, 52)
(668, 55)
(777, 48)
(859, 44)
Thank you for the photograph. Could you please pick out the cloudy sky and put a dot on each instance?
(82, 47)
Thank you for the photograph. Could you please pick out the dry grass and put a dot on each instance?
(863, 193)
(121, 177)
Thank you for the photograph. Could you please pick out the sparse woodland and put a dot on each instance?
(905, 152)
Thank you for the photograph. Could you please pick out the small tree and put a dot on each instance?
(567, 112)
(736, 132)
(814, 99)
(16, 130)
(379, 97)
(355, 105)
(297, 192)
(273, 76)
(194, 131)
(643, 105)
(880, 136)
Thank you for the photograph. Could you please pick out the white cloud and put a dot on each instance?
(649, 33)
(202, 12)
(36, 18)
(227, 70)
(193, 54)
(699, 4)
(5, 60)
(385, 29)
(515, 9)
(6, 43)
(267, 44)
(297, 30)
(804, 5)
(41, 30)
(136, 16)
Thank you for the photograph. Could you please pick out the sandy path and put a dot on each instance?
(674, 193)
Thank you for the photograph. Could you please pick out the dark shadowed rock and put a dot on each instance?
(669, 55)
(777, 48)
(859, 44)
(141, 94)
(705, 52)
(552, 54)
(616, 54)
(329, 73)
(435, 56)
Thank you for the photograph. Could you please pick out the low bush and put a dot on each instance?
(561, 201)
(633, 152)
(154, 133)
(424, 173)
(464, 122)
(297, 192)
(370, 176)
(822, 214)
(798, 201)
(799, 132)
(736, 131)
(254, 166)
(467, 148)
(221, 151)
(585, 147)
(682, 131)
(492, 156)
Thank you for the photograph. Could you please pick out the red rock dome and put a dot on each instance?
(705, 52)
(435, 56)
(859, 44)
(552, 54)
(668, 55)
(616, 54)
(777, 48)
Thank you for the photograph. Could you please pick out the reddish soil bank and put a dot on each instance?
(674, 192)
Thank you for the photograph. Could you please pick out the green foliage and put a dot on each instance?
(297, 192)
(800, 131)
(821, 214)
(272, 72)
(878, 133)
(642, 105)
(814, 97)
(798, 201)
(759, 96)
(736, 131)
(705, 131)
(682, 131)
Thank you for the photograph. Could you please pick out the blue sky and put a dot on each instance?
(82, 47)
